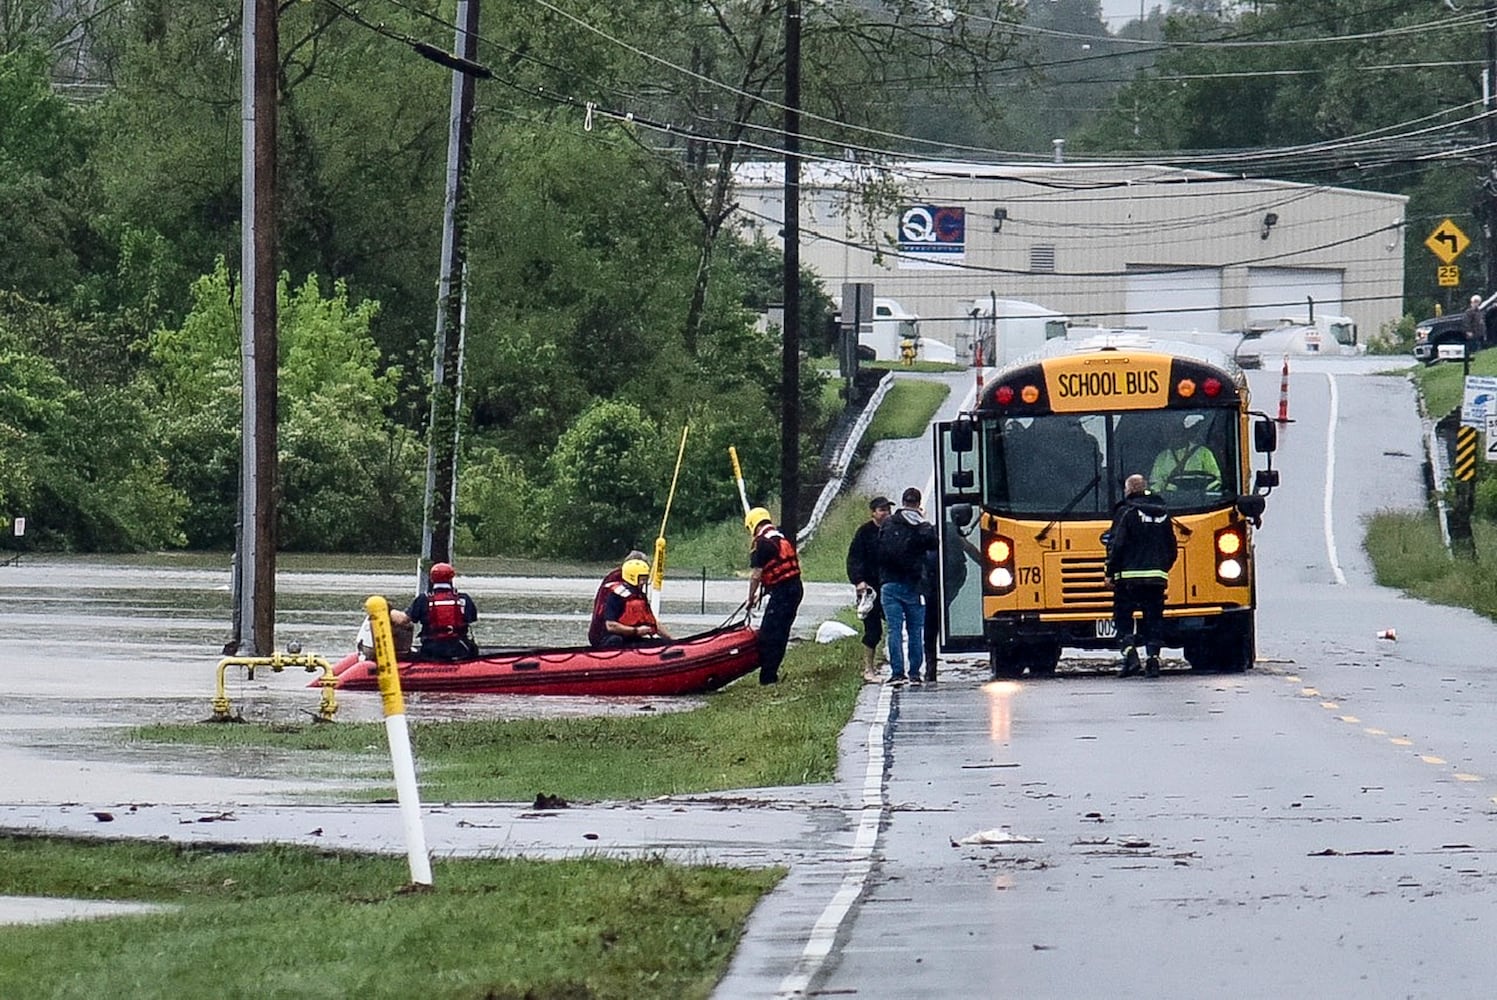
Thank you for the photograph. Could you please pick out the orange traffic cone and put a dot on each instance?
(1284, 394)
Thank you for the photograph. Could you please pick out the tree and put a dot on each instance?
(349, 475)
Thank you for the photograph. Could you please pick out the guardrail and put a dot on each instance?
(843, 459)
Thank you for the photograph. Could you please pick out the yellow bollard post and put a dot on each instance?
(401, 759)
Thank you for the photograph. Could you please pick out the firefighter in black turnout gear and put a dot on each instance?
(775, 570)
(1141, 548)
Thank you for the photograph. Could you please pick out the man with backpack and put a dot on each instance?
(904, 539)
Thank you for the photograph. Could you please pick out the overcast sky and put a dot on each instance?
(1119, 12)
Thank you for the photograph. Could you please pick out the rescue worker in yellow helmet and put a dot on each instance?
(627, 618)
(774, 570)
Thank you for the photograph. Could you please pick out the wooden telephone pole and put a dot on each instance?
(255, 556)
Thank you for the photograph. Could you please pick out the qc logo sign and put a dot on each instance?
(932, 235)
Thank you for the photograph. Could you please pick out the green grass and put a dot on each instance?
(287, 922)
(918, 366)
(744, 736)
(1442, 385)
(907, 410)
(1407, 553)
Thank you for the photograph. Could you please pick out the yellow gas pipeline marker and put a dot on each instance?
(404, 764)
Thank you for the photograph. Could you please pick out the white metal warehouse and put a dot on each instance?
(1105, 244)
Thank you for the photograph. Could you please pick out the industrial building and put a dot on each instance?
(1117, 245)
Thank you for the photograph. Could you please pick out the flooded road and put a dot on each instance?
(93, 645)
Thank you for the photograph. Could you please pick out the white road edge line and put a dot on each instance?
(860, 861)
(1330, 484)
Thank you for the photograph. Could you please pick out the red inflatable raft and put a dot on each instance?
(686, 666)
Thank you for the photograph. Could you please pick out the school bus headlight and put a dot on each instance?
(999, 550)
(1229, 543)
(1229, 569)
(1030, 393)
(1001, 578)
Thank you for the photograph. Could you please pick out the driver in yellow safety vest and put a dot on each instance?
(1190, 459)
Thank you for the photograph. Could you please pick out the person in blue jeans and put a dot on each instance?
(904, 540)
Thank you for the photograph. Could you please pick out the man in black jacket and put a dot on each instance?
(1141, 548)
(862, 573)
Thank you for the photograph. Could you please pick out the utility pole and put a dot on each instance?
(790, 350)
(254, 571)
(446, 377)
(1488, 186)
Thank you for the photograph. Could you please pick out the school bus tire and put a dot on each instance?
(1228, 650)
(1010, 659)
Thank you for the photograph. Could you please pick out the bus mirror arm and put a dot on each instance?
(1251, 507)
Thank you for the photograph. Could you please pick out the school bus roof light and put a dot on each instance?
(1212, 387)
(1004, 395)
(1186, 388)
(1030, 394)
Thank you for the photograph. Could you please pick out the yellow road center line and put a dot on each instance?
(1349, 718)
(1431, 760)
(1292, 678)
(1309, 692)
(1467, 777)
(1399, 741)
(1329, 704)
(1374, 731)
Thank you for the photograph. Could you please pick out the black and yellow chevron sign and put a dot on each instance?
(1465, 454)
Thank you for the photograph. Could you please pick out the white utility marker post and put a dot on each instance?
(399, 736)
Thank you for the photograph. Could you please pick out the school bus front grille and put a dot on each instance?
(1082, 584)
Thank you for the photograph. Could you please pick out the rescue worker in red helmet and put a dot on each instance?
(626, 614)
(444, 614)
(774, 570)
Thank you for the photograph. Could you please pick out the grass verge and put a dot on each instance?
(745, 736)
(1442, 384)
(907, 410)
(289, 922)
(1408, 553)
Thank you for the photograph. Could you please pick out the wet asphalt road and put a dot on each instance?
(1321, 826)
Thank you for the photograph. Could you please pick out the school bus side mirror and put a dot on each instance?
(1265, 480)
(1251, 507)
(959, 514)
(963, 480)
(961, 436)
(1265, 436)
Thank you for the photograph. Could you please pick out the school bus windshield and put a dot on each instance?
(1073, 465)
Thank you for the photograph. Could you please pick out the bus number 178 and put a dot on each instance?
(1029, 575)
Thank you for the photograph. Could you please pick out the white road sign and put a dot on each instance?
(1492, 437)
(1479, 401)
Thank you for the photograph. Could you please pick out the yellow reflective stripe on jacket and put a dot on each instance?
(1143, 574)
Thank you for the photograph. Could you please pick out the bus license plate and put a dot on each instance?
(1106, 629)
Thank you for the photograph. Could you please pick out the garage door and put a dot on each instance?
(1177, 299)
(1283, 292)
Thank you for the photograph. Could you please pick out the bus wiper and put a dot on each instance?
(1070, 506)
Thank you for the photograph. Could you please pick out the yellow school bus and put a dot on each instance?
(1027, 483)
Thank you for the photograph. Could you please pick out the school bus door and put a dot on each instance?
(958, 515)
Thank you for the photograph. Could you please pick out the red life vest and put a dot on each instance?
(784, 565)
(636, 608)
(596, 629)
(444, 614)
